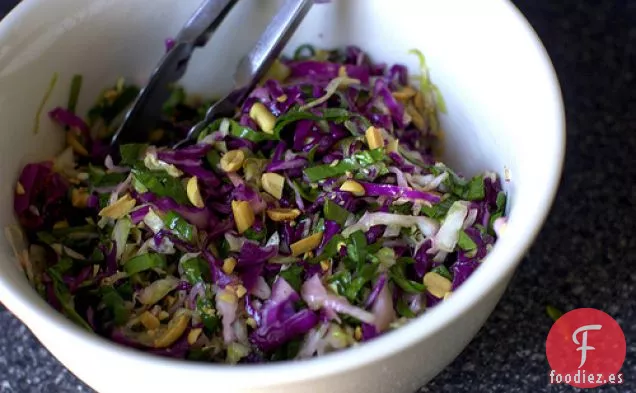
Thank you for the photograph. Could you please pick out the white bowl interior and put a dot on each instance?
(504, 110)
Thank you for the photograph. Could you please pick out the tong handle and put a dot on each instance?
(257, 62)
(205, 20)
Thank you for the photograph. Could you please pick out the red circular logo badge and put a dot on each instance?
(586, 348)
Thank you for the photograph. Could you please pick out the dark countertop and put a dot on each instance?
(583, 255)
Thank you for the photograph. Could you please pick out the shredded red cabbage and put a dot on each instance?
(312, 220)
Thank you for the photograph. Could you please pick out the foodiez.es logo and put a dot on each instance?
(586, 348)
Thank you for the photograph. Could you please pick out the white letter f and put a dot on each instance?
(584, 347)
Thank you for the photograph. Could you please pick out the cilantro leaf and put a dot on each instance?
(357, 248)
(553, 312)
(307, 193)
(293, 276)
(211, 321)
(357, 161)
(131, 153)
(442, 271)
(501, 206)
(335, 212)
(336, 115)
(109, 111)
(365, 275)
(396, 273)
(161, 184)
(73, 97)
(465, 242)
(473, 190)
(330, 250)
(180, 227)
(99, 178)
(115, 303)
(65, 298)
(145, 262)
(195, 270)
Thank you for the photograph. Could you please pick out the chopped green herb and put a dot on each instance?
(467, 190)
(161, 184)
(403, 309)
(199, 354)
(196, 270)
(465, 242)
(473, 190)
(96, 255)
(334, 212)
(359, 160)
(209, 317)
(442, 271)
(307, 193)
(214, 158)
(404, 208)
(396, 273)
(71, 236)
(145, 262)
(375, 247)
(357, 249)
(501, 201)
(46, 237)
(131, 153)
(288, 350)
(412, 157)
(439, 210)
(99, 178)
(125, 289)
(372, 172)
(108, 111)
(126, 274)
(64, 265)
(336, 115)
(319, 226)
(331, 249)
(405, 261)
(244, 132)
(104, 200)
(553, 312)
(426, 85)
(365, 275)
(293, 275)
(180, 227)
(238, 131)
(312, 153)
(340, 281)
(384, 255)
(115, 303)
(501, 207)
(73, 97)
(257, 236)
(66, 299)
(47, 95)
(224, 249)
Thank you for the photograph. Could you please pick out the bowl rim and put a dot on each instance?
(36, 315)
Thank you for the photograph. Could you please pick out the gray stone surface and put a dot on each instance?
(585, 254)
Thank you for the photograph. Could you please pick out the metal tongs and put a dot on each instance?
(146, 109)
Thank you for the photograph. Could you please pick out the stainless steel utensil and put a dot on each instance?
(248, 73)
(146, 108)
(255, 64)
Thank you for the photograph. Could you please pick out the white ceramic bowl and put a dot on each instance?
(504, 110)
